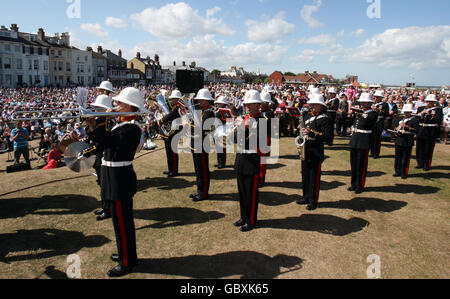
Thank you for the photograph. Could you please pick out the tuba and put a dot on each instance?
(163, 110)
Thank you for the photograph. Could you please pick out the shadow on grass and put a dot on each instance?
(47, 205)
(172, 217)
(364, 204)
(52, 273)
(163, 184)
(430, 175)
(324, 186)
(247, 264)
(348, 173)
(46, 183)
(404, 189)
(50, 243)
(325, 224)
(265, 198)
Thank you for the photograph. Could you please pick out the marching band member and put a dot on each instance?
(102, 103)
(428, 132)
(406, 130)
(199, 153)
(333, 106)
(360, 143)
(172, 156)
(318, 131)
(118, 179)
(382, 108)
(248, 160)
(268, 114)
(222, 102)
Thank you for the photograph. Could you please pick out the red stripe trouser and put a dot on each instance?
(311, 173)
(123, 222)
(248, 197)
(359, 163)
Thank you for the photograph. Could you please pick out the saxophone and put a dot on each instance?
(300, 141)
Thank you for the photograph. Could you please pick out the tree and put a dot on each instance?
(289, 74)
(215, 73)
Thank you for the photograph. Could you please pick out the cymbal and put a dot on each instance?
(73, 162)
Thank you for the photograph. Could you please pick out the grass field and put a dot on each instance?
(46, 216)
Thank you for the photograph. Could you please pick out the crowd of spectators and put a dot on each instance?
(53, 131)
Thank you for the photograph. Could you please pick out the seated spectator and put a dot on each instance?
(46, 142)
(59, 133)
(79, 133)
(54, 158)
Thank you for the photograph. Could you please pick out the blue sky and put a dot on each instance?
(410, 40)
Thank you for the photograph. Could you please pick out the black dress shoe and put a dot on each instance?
(119, 271)
(351, 189)
(194, 195)
(426, 168)
(359, 191)
(103, 216)
(404, 177)
(419, 167)
(247, 227)
(376, 157)
(166, 172)
(311, 207)
(199, 198)
(115, 257)
(172, 175)
(302, 201)
(99, 212)
(239, 223)
(396, 175)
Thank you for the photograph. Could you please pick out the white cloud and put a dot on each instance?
(341, 33)
(412, 47)
(95, 29)
(211, 12)
(308, 10)
(358, 32)
(206, 51)
(115, 22)
(323, 39)
(332, 59)
(269, 30)
(178, 21)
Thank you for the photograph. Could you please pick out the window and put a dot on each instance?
(37, 79)
(19, 64)
(1, 64)
(60, 66)
(17, 49)
(36, 64)
(85, 58)
(52, 52)
(67, 66)
(30, 64)
(39, 51)
(7, 63)
(32, 50)
(7, 48)
(45, 65)
(78, 57)
(59, 53)
(54, 67)
(27, 50)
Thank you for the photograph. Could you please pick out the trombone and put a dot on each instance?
(81, 114)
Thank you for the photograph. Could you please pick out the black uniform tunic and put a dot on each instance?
(382, 109)
(319, 124)
(201, 154)
(221, 150)
(428, 132)
(268, 115)
(171, 155)
(247, 166)
(359, 147)
(404, 143)
(333, 107)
